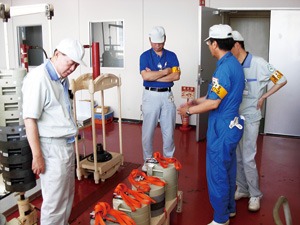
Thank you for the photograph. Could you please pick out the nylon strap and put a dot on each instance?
(143, 184)
(102, 209)
(164, 162)
(139, 197)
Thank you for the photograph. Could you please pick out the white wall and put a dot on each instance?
(182, 38)
(72, 17)
(283, 107)
(179, 17)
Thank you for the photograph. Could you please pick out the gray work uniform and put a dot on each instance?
(258, 73)
(46, 99)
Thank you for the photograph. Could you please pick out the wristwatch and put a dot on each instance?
(188, 112)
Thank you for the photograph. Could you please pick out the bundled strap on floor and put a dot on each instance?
(103, 209)
(141, 181)
(135, 202)
(163, 161)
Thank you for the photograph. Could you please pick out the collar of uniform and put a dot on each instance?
(220, 61)
(154, 53)
(247, 61)
(52, 72)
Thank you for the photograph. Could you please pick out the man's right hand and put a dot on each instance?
(38, 165)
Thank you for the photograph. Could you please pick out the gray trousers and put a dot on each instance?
(247, 175)
(158, 106)
(58, 182)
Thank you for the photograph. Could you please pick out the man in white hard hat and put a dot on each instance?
(159, 68)
(51, 129)
(258, 74)
(225, 127)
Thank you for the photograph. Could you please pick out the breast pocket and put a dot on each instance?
(250, 87)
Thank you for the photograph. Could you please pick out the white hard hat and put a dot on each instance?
(157, 34)
(237, 36)
(73, 49)
(220, 31)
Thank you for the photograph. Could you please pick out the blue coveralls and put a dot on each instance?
(228, 83)
(158, 105)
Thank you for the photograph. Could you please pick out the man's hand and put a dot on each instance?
(182, 110)
(38, 165)
(167, 71)
(260, 103)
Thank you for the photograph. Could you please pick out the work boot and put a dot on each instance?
(254, 204)
(215, 223)
(238, 195)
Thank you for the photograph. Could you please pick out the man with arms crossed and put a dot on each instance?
(159, 68)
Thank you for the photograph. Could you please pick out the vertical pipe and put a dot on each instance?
(120, 117)
(24, 56)
(103, 121)
(6, 44)
(96, 59)
(50, 37)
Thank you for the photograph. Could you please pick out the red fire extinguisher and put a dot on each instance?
(24, 57)
(185, 122)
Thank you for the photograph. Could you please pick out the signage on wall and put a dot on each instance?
(202, 2)
(187, 92)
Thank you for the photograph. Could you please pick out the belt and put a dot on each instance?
(55, 140)
(158, 89)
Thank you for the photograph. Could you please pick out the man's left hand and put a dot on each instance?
(260, 103)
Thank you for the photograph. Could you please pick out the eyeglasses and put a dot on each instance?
(207, 42)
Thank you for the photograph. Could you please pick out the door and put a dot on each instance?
(207, 64)
(255, 28)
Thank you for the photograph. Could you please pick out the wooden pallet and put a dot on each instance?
(105, 169)
(169, 206)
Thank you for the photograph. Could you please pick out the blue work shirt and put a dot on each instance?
(229, 80)
(149, 59)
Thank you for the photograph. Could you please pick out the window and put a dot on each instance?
(32, 37)
(111, 42)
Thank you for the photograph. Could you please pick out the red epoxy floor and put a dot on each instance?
(278, 162)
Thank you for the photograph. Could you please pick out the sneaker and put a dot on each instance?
(238, 195)
(215, 223)
(254, 204)
(232, 214)
(144, 168)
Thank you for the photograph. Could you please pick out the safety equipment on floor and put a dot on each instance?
(104, 213)
(135, 200)
(167, 169)
(152, 186)
(185, 122)
(134, 203)
(164, 162)
(102, 156)
(142, 182)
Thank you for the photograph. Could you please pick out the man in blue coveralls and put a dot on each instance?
(159, 68)
(225, 128)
